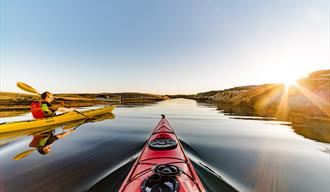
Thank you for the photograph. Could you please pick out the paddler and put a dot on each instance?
(45, 108)
(48, 108)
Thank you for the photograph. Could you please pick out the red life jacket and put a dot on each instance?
(36, 110)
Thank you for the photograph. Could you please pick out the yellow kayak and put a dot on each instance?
(12, 135)
(55, 120)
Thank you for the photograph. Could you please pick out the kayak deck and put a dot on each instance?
(55, 120)
(162, 165)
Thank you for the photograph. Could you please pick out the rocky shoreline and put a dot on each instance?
(306, 105)
(310, 97)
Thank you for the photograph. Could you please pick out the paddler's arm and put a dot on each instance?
(60, 136)
(60, 109)
(47, 111)
(64, 109)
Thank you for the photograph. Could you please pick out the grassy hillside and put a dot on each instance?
(309, 97)
(306, 105)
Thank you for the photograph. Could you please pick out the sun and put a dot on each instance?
(289, 81)
(289, 78)
(287, 73)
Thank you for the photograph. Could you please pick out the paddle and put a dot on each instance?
(23, 154)
(28, 88)
(74, 125)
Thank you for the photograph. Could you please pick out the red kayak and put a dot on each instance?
(162, 165)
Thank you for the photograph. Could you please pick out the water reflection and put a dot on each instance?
(315, 129)
(250, 155)
(42, 143)
(44, 137)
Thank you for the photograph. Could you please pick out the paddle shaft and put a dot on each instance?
(82, 114)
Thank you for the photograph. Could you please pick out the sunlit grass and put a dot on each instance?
(316, 100)
(282, 111)
(271, 95)
(279, 97)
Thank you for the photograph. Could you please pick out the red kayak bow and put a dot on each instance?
(162, 165)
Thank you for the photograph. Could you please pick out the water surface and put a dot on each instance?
(247, 154)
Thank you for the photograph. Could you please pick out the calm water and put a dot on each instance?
(250, 155)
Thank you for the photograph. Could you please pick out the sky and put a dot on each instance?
(161, 47)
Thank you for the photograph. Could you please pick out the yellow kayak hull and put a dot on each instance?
(56, 120)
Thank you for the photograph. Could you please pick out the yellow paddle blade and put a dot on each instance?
(23, 154)
(103, 117)
(73, 124)
(26, 87)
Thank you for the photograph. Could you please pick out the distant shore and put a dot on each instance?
(12, 104)
(306, 102)
(309, 98)
(306, 105)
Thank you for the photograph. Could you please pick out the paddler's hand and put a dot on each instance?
(71, 109)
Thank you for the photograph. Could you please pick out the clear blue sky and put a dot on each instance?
(162, 46)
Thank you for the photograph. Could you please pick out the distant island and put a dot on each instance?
(306, 102)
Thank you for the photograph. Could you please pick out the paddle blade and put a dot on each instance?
(26, 87)
(23, 154)
(73, 124)
(103, 117)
